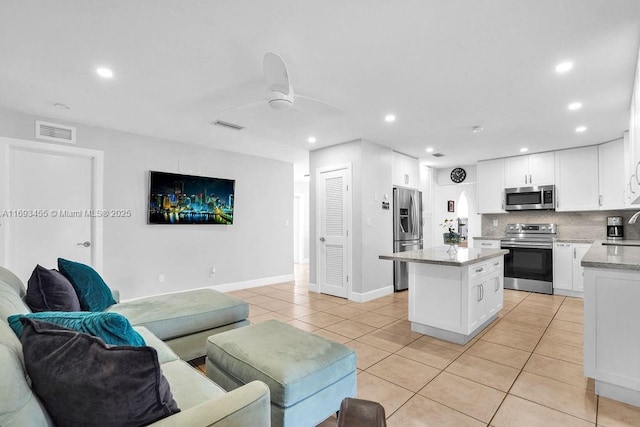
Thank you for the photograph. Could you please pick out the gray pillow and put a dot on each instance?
(82, 382)
(49, 290)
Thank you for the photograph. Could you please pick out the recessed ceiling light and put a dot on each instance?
(311, 139)
(429, 150)
(524, 149)
(563, 67)
(104, 72)
(61, 106)
(390, 118)
(477, 129)
(575, 106)
(581, 129)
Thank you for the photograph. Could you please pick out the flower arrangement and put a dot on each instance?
(451, 237)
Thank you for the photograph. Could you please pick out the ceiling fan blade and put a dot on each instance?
(306, 103)
(275, 73)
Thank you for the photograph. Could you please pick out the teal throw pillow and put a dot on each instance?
(112, 328)
(93, 293)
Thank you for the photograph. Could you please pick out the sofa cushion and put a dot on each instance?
(7, 277)
(165, 353)
(93, 293)
(49, 290)
(10, 302)
(112, 328)
(19, 406)
(81, 381)
(188, 385)
(175, 315)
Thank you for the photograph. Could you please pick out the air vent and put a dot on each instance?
(55, 132)
(438, 155)
(228, 125)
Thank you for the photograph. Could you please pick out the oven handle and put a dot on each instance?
(527, 245)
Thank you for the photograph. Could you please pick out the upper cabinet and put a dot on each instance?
(405, 171)
(426, 186)
(577, 179)
(491, 186)
(529, 171)
(611, 169)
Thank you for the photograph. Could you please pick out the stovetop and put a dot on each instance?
(533, 232)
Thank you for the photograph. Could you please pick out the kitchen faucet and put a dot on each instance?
(633, 219)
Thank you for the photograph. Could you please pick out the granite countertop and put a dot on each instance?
(575, 240)
(439, 255)
(619, 255)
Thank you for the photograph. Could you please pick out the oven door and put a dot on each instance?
(528, 268)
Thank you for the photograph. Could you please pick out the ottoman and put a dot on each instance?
(308, 376)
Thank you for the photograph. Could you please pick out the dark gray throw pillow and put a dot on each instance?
(49, 290)
(82, 382)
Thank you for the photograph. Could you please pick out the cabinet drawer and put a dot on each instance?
(488, 244)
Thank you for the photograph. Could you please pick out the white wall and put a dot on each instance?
(257, 248)
(376, 223)
(301, 190)
(443, 191)
(372, 226)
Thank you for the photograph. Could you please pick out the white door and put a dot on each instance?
(51, 197)
(332, 246)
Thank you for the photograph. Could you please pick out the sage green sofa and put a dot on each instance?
(202, 401)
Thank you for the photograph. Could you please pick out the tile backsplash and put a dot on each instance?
(571, 225)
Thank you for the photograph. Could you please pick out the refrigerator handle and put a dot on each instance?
(411, 217)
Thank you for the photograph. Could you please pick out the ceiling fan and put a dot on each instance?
(280, 93)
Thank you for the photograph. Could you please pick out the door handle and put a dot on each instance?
(86, 244)
(322, 239)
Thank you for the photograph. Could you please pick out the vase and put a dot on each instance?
(452, 239)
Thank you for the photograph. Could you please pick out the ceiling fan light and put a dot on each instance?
(280, 104)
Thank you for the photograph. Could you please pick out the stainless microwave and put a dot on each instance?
(530, 198)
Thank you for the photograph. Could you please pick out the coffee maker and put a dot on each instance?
(614, 228)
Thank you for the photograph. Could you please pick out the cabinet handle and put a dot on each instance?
(530, 180)
(600, 200)
(496, 264)
(525, 178)
(574, 253)
(497, 284)
(479, 270)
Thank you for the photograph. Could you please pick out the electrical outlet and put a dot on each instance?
(213, 272)
(495, 222)
(160, 278)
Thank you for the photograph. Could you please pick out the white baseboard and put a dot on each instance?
(357, 296)
(371, 295)
(313, 287)
(263, 281)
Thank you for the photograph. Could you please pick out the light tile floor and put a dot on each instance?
(525, 369)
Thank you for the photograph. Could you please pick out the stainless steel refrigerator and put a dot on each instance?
(407, 230)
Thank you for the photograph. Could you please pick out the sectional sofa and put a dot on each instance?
(178, 319)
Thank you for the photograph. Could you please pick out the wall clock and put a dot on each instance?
(458, 175)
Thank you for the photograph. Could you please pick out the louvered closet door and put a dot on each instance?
(333, 232)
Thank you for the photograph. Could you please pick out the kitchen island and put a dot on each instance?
(612, 319)
(453, 296)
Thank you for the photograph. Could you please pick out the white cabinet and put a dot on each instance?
(485, 292)
(531, 170)
(611, 170)
(577, 179)
(405, 171)
(567, 271)
(455, 303)
(426, 186)
(491, 186)
(611, 340)
(486, 244)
